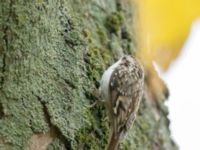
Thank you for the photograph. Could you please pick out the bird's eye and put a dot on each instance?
(124, 58)
(126, 63)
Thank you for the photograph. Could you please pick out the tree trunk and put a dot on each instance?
(52, 54)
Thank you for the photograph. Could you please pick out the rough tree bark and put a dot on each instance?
(52, 55)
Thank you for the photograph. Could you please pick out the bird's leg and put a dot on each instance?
(93, 104)
(97, 99)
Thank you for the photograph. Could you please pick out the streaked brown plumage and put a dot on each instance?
(122, 89)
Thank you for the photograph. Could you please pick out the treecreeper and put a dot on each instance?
(121, 88)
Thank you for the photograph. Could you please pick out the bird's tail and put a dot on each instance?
(113, 142)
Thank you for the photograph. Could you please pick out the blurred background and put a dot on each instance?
(183, 80)
(169, 38)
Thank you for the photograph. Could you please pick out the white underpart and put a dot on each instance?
(105, 80)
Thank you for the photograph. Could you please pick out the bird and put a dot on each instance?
(121, 88)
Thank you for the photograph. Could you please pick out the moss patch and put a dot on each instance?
(115, 21)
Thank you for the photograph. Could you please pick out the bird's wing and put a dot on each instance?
(125, 96)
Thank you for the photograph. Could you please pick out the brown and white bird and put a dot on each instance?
(122, 88)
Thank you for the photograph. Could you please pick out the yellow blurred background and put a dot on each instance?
(163, 28)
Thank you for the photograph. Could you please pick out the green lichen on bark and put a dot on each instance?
(41, 80)
(52, 56)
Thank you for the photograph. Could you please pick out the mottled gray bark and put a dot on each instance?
(52, 55)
